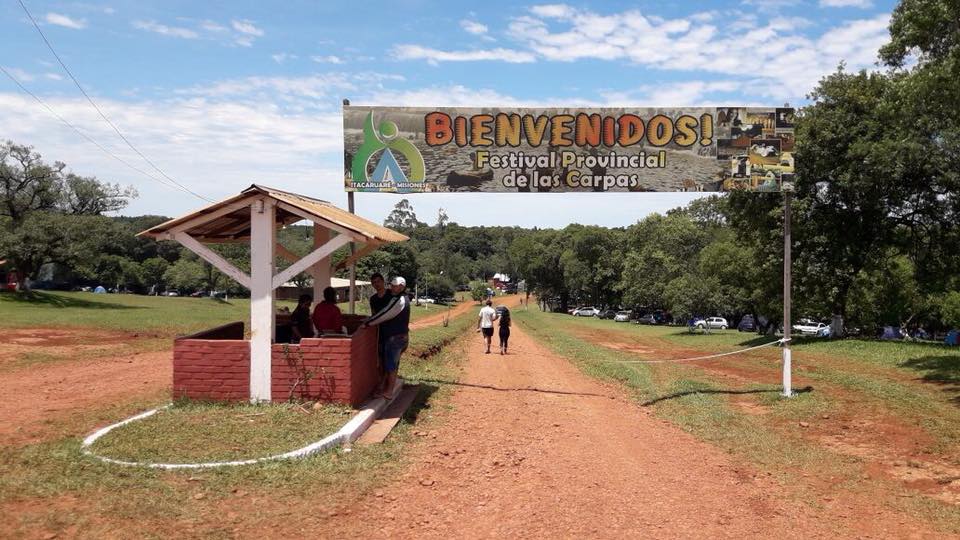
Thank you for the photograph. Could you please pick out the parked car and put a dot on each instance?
(622, 316)
(807, 326)
(588, 311)
(710, 322)
(607, 314)
(172, 293)
(747, 324)
(425, 300)
(649, 318)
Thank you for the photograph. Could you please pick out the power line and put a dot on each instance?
(84, 135)
(99, 111)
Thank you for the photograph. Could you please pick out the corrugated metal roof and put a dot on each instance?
(234, 226)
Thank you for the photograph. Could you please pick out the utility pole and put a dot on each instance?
(787, 260)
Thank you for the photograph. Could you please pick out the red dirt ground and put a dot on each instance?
(535, 449)
(433, 320)
(41, 400)
(892, 449)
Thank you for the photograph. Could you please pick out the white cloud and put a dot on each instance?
(246, 27)
(20, 75)
(435, 56)
(473, 27)
(329, 59)
(65, 21)
(212, 26)
(215, 147)
(164, 30)
(863, 4)
(283, 57)
(725, 44)
(53, 76)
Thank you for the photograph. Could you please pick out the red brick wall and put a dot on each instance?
(364, 365)
(343, 370)
(214, 369)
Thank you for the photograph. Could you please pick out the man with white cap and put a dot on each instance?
(394, 322)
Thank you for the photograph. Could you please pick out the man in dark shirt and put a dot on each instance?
(300, 324)
(394, 322)
(381, 298)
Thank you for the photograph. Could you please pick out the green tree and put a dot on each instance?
(153, 270)
(402, 216)
(185, 275)
(41, 211)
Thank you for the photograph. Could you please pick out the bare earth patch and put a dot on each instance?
(41, 401)
(891, 449)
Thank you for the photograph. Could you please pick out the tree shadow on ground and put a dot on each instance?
(684, 393)
(59, 301)
(943, 370)
(526, 389)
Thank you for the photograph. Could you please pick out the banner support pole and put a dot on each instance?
(352, 294)
(787, 260)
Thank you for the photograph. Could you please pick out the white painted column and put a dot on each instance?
(262, 317)
(321, 270)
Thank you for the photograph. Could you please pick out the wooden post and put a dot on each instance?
(787, 260)
(321, 270)
(262, 244)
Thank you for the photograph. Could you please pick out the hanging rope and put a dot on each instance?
(692, 359)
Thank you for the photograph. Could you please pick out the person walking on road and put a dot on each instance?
(394, 322)
(504, 315)
(485, 323)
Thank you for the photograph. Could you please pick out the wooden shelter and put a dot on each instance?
(254, 216)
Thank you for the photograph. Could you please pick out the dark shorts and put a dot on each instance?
(392, 347)
(487, 332)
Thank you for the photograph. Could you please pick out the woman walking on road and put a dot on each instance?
(504, 315)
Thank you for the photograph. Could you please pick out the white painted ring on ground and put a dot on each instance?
(348, 433)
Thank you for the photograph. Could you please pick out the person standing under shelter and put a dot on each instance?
(485, 323)
(326, 316)
(301, 326)
(394, 323)
(380, 298)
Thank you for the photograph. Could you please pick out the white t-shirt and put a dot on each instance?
(487, 316)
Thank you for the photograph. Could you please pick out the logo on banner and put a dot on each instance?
(384, 144)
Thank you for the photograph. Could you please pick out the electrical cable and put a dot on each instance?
(99, 111)
(84, 135)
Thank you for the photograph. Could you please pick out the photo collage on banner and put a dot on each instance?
(525, 150)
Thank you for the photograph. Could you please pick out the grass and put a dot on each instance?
(877, 377)
(168, 316)
(230, 432)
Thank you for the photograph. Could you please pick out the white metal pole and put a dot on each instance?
(262, 243)
(787, 365)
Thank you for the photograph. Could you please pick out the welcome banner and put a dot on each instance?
(530, 150)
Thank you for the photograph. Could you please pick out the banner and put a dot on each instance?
(437, 150)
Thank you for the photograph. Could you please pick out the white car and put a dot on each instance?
(711, 322)
(426, 300)
(586, 312)
(810, 327)
(622, 316)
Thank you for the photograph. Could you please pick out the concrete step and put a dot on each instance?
(384, 424)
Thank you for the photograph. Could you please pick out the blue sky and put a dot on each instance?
(224, 94)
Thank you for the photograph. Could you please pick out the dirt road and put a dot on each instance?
(532, 448)
(441, 314)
